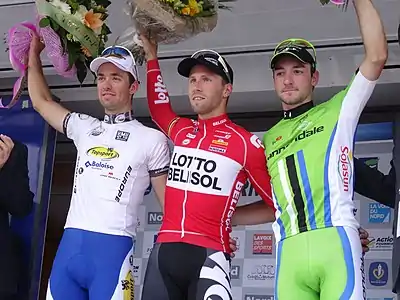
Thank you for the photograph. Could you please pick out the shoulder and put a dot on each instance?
(249, 138)
(150, 135)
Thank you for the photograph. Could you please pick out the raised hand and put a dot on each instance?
(149, 46)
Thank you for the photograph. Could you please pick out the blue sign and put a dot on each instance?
(378, 213)
(22, 123)
(378, 273)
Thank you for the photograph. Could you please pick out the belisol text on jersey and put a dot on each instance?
(195, 170)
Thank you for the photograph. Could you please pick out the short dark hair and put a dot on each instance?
(132, 79)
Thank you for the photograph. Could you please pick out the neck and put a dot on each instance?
(119, 117)
(215, 113)
(287, 107)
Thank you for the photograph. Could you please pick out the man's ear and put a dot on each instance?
(134, 87)
(315, 78)
(228, 90)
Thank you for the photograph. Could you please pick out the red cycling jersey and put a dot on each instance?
(211, 162)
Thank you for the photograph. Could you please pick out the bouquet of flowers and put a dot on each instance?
(169, 21)
(73, 32)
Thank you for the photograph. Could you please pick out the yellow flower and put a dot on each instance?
(93, 21)
(194, 7)
(186, 11)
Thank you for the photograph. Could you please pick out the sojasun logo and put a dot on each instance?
(154, 218)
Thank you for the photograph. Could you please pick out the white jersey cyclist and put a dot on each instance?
(116, 158)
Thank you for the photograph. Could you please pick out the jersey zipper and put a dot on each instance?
(188, 182)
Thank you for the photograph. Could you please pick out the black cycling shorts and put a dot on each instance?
(180, 271)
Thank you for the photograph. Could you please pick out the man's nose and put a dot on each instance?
(288, 79)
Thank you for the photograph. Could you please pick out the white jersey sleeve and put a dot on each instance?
(76, 124)
(159, 155)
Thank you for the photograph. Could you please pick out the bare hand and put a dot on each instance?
(149, 47)
(232, 245)
(364, 239)
(36, 46)
(6, 145)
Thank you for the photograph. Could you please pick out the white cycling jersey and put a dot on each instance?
(116, 158)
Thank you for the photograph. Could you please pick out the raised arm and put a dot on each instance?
(157, 95)
(374, 38)
(39, 92)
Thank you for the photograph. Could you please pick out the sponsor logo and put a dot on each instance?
(96, 131)
(302, 136)
(161, 91)
(193, 170)
(256, 141)
(154, 218)
(191, 136)
(262, 272)
(80, 170)
(103, 152)
(222, 135)
(378, 273)
(345, 167)
(235, 272)
(379, 213)
(185, 142)
(219, 122)
(258, 297)
(262, 243)
(122, 136)
(217, 149)
(219, 142)
(122, 185)
(98, 165)
(83, 116)
(381, 243)
(277, 139)
(128, 286)
(232, 205)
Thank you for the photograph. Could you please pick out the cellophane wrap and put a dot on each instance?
(162, 24)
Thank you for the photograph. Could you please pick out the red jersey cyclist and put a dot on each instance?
(212, 160)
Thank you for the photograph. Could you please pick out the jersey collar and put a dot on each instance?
(213, 122)
(119, 118)
(297, 111)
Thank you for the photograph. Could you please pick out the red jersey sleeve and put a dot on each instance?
(159, 103)
(256, 169)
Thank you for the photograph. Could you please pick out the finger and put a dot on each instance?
(7, 140)
(365, 249)
(232, 254)
(232, 241)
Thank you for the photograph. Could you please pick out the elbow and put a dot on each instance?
(379, 58)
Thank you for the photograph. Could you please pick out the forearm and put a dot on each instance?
(372, 32)
(158, 98)
(39, 91)
(253, 214)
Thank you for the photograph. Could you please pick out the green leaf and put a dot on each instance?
(81, 70)
(104, 3)
(44, 22)
(54, 25)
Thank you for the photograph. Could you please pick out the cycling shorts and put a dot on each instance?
(181, 271)
(90, 265)
(324, 264)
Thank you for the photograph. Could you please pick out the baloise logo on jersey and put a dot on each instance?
(194, 170)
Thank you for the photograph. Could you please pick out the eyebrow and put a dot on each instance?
(112, 74)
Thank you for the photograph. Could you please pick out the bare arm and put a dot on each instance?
(39, 91)
(374, 38)
(158, 184)
(253, 214)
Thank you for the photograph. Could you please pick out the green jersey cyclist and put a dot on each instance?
(310, 160)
